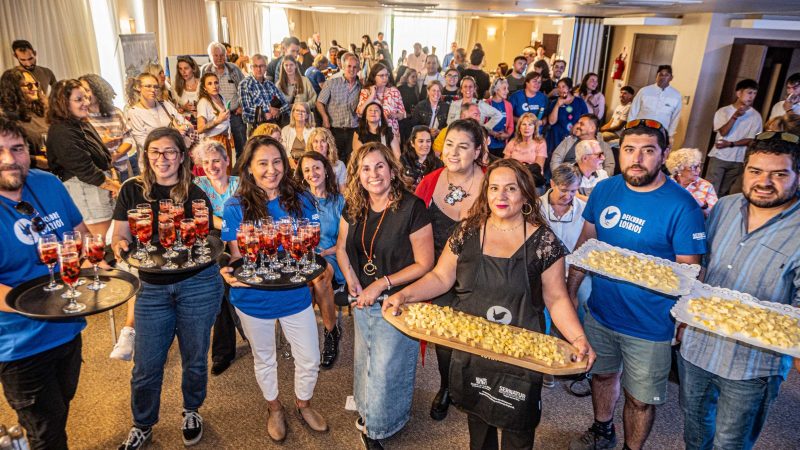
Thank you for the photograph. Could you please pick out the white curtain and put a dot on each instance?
(182, 27)
(463, 30)
(245, 25)
(346, 28)
(61, 31)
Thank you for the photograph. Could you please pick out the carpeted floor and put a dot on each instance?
(235, 411)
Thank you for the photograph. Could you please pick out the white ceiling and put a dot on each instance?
(601, 8)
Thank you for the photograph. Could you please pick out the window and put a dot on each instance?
(275, 26)
(432, 32)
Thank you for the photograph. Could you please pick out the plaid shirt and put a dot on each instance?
(764, 263)
(255, 93)
(340, 100)
(703, 191)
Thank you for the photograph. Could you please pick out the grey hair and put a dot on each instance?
(350, 55)
(682, 158)
(207, 145)
(215, 46)
(496, 85)
(258, 56)
(585, 148)
(564, 175)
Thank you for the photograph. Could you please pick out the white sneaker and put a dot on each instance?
(123, 350)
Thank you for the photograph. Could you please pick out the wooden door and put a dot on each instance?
(649, 52)
(550, 43)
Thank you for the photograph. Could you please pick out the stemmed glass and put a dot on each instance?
(188, 234)
(262, 245)
(70, 271)
(315, 235)
(48, 254)
(144, 232)
(133, 216)
(251, 245)
(201, 231)
(241, 243)
(286, 231)
(145, 209)
(297, 249)
(177, 213)
(166, 236)
(270, 242)
(308, 245)
(164, 217)
(74, 241)
(95, 245)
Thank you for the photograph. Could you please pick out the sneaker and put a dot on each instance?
(137, 438)
(593, 439)
(192, 427)
(123, 349)
(360, 425)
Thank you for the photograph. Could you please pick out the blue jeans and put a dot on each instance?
(186, 309)
(720, 413)
(239, 132)
(385, 365)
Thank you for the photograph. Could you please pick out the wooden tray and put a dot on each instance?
(570, 368)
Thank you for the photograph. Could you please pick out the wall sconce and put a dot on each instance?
(491, 32)
(132, 25)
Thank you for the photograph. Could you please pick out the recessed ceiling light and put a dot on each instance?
(541, 10)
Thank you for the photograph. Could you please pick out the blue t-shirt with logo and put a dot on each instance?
(501, 126)
(258, 303)
(664, 223)
(20, 336)
(523, 104)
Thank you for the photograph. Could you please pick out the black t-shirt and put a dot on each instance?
(131, 194)
(481, 80)
(392, 251)
(450, 96)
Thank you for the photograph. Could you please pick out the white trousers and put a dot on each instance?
(301, 332)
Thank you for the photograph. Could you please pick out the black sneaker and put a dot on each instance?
(137, 438)
(594, 439)
(192, 427)
(330, 348)
(370, 444)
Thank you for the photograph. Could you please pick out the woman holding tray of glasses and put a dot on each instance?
(169, 304)
(385, 242)
(504, 264)
(267, 189)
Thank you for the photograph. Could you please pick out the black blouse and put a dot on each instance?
(74, 149)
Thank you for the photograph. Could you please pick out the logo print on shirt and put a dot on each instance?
(610, 216)
(499, 314)
(23, 231)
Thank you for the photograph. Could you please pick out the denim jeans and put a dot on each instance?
(186, 309)
(239, 132)
(723, 414)
(39, 388)
(385, 365)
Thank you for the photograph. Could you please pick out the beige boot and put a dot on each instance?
(276, 425)
(312, 418)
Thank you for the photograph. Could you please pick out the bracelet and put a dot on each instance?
(388, 282)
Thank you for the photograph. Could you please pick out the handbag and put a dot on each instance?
(190, 135)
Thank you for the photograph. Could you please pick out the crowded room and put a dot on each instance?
(450, 224)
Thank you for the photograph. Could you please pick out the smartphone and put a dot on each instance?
(228, 105)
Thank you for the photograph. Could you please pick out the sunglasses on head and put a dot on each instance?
(37, 223)
(782, 135)
(647, 123)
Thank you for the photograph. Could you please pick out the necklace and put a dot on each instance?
(456, 193)
(506, 229)
(370, 268)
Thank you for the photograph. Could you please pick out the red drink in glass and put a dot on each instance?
(70, 268)
(241, 241)
(144, 230)
(95, 253)
(166, 234)
(251, 248)
(188, 233)
(297, 248)
(132, 218)
(201, 222)
(48, 253)
(177, 215)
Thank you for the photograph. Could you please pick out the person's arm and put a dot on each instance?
(559, 153)
(395, 146)
(454, 111)
(600, 107)
(563, 312)
(673, 121)
(541, 153)
(356, 142)
(365, 97)
(322, 99)
(353, 285)
(432, 284)
(422, 248)
(576, 274)
(248, 101)
(494, 115)
(610, 163)
(552, 118)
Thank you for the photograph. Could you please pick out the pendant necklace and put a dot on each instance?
(370, 268)
(457, 193)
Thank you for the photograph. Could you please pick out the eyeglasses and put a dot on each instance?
(37, 223)
(599, 154)
(171, 155)
(784, 136)
(30, 86)
(149, 86)
(648, 123)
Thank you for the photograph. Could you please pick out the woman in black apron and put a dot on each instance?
(506, 265)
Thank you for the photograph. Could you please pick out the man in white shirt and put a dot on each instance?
(620, 116)
(736, 126)
(792, 102)
(416, 60)
(659, 101)
(589, 157)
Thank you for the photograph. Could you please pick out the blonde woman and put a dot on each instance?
(685, 166)
(321, 140)
(268, 129)
(294, 136)
(527, 146)
(156, 70)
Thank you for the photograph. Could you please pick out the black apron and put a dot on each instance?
(499, 289)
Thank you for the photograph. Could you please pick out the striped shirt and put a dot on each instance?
(764, 263)
(340, 99)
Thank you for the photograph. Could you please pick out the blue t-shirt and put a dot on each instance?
(664, 223)
(217, 200)
(500, 106)
(522, 104)
(330, 213)
(20, 336)
(255, 302)
(315, 77)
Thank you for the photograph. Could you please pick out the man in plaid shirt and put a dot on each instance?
(337, 102)
(256, 91)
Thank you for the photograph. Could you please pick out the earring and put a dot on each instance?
(529, 211)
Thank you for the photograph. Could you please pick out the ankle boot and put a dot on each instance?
(330, 348)
(440, 404)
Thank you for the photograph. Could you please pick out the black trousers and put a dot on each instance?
(483, 436)
(344, 142)
(443, 355)
(223, 340)
(239, 132)
(39, 388)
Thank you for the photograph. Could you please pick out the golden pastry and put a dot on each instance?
(643, 272)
